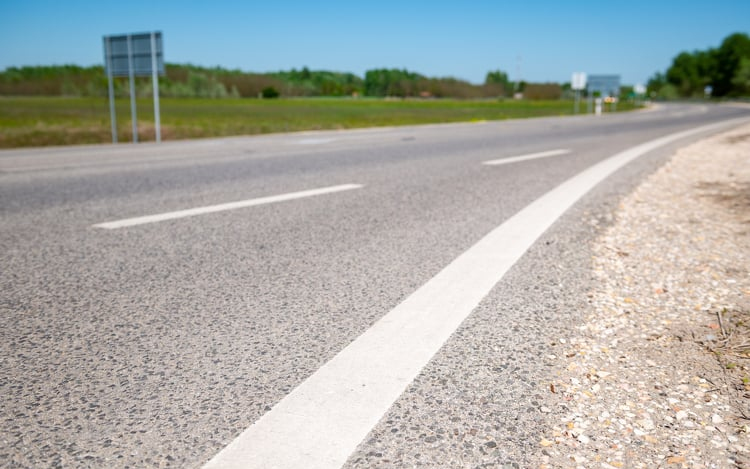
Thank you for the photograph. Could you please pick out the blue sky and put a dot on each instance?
(542, 40)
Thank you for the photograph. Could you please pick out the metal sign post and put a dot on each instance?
(134, 55)
(578, 83)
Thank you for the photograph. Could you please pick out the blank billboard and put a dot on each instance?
(116, 54)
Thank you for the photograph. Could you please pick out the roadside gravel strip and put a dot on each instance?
(658, 374)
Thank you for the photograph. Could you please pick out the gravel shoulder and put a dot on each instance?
(658, 375)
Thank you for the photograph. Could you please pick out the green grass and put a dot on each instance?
(41, 121)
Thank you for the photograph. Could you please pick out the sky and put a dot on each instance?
(532, 40)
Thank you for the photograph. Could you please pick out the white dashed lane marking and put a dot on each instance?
(530, 156)
(191, 212)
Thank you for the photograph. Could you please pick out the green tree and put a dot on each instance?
(498, 77)
(728, 62)
(691, 72)
(741, 80)
(655, 83)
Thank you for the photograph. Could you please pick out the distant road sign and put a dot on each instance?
(639, 89)
(118, 52)
(578, 81)
(606, 85)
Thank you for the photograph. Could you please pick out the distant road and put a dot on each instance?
(159, 300)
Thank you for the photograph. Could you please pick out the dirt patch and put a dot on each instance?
(733, 139)
(732, 195)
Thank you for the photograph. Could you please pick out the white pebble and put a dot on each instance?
(647, 424)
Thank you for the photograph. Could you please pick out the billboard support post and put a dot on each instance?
(131, 79)
(155, 79)
(112, 113)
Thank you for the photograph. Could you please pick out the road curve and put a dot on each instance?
(157, 344)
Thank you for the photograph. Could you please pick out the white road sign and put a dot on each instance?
(578, 81)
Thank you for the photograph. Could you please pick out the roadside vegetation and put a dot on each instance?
(39, 121)
(722, 72)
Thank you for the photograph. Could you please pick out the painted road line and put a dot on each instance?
(111, 225)
(321, 422)
(530, 156)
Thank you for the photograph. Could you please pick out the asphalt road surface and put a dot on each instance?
(157, 301)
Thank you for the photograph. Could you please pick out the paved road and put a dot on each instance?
(157, 344)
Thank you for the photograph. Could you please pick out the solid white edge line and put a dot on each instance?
(321, 422)
(530, 156)
(111, 225)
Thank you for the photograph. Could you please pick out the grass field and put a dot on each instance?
(42, 121)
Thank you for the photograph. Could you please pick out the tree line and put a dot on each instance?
(721, 72)
(186, 81)
(724, 71)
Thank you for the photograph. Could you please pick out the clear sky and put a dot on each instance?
(542, 40)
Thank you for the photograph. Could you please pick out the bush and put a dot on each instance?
(269, 92)
(668, 91)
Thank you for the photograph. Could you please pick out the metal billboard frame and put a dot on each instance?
(131, 55)
(606, 85)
